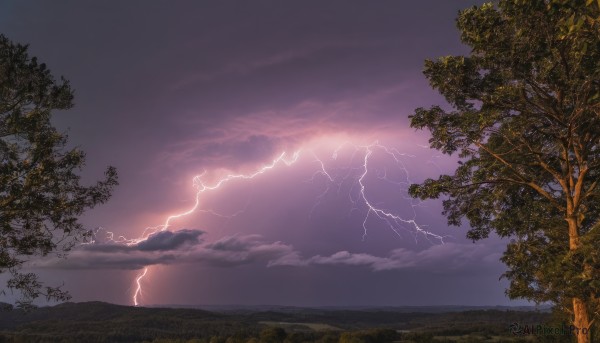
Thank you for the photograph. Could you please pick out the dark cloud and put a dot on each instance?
(168, 240)
(157, 241)
(180, 247)
(184, 247)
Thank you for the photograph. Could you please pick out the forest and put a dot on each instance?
(104, 322)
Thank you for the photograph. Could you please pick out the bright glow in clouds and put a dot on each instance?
(203, 187)
(168, 244)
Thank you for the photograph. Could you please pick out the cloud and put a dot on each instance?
(158, 241)
(167, 240)
(165, 247)
(277, 56)
(186, 246)
(443, 258)
(374, 262)
(257, 136)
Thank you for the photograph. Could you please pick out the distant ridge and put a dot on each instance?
(97, 321)
(90, 311)
(402, 309)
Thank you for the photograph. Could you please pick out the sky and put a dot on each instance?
(278, 131)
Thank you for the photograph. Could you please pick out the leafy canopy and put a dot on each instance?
(524, 117)
(40, 192)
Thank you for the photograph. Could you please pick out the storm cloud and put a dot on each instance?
(185, 247)
(168, 240)
(167, 248)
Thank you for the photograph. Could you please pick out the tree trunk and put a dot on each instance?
(581, 319)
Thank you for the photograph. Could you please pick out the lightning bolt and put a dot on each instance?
(138, 290)
(203, 187)
(357, 169)
(394, 221)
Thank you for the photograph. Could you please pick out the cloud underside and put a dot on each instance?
(259, 135)
(188, 247)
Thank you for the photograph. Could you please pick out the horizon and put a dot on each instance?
(275, 307)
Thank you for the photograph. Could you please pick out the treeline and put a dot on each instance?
(279, 335)
(267, 335)
(101, 322)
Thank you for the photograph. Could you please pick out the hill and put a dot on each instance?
(104, 322)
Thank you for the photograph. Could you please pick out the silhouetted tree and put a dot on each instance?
(40, 192)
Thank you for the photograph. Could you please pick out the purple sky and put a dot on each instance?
(168, 90)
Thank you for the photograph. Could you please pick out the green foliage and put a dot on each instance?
(40, 192)
(524, 118)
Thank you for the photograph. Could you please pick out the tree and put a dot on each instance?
(524, 118)
(272, 335)
(40, 192)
